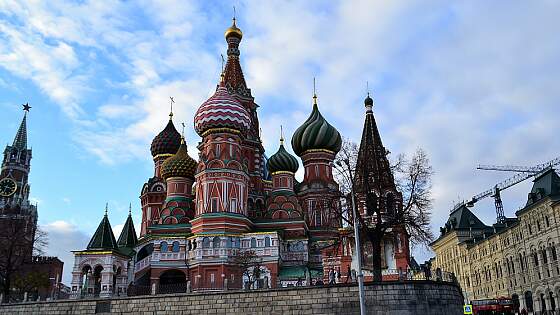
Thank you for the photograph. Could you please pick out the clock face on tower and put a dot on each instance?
(7, 187)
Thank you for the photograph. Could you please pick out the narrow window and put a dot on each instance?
(163, 247)
(214, 205)
(175, 247)
(233, 205)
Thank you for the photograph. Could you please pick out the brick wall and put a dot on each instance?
(421, 297)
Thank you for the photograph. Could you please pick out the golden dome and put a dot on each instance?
(233, 30)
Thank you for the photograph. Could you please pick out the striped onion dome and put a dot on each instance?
(316, 134)
(167, 141)
(282, 161)
(179, 165)
(221, 110)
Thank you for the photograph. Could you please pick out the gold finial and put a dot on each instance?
(281, 136)
(130, 208)
(233, 30)
(171, 112)
(183, 133)
(314, 93)
(106, 208)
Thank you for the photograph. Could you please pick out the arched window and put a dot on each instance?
(206, 242)
(228, 242)
(216, 242)
(163, 247)
(175, 247)
(390, 203)
(236, 243)
(371, 203)
(529, 301)
(253, 242)
(267, 241)
(553, 252)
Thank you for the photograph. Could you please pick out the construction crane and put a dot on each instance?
(523, 173)
(520, 169)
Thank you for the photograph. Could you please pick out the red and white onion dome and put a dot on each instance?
(221, 112)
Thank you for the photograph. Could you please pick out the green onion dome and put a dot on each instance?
(282, 161)
(167, 142)
(179, 165)
(316, 134)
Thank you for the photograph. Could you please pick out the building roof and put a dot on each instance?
(282, 160)
(545, 185)
(20, 140)
(463, 218)
(372, 164)
(167, 141)
(180, 164)
(103, 237)
(316, 134)
(128, 238)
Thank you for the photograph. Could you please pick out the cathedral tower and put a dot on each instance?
(222, 176)
(251, 147)
(373, 176)
(317, 143)
(153, 194)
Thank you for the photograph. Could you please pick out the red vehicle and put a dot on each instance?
(499, 306)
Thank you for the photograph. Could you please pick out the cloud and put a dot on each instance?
(63, 238)
(468, 82)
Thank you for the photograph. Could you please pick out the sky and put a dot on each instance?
(468, 81)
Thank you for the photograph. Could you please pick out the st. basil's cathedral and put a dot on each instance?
(198, 214)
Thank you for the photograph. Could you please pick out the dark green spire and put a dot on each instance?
(20, 141)
(103, 238)
(128, 237)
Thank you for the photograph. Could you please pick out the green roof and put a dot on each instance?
(128, 238)
(103, 237)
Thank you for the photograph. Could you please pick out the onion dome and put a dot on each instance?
(179, 165)
(221, 111)
(282, 161)
(316, 134)
(167, 141)
(233, 31)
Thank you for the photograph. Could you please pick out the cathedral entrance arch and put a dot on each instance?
(172, 281)
(97, 280)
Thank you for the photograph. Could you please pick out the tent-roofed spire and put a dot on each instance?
(372, 156)
(103, 238)
(20, 140)
(233, 76)
(128, 236)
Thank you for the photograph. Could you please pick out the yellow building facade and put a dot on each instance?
(517, 259)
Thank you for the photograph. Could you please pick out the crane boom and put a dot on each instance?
(523, 173)
(520, 169)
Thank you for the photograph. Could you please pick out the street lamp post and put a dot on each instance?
(356, 240)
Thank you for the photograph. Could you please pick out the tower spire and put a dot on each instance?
(281, 136)
(171, 112)
(314, 93)
(20, 140)
(106, 208)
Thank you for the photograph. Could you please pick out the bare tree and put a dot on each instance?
(249, 265)
(412, 179)
(19, 240)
